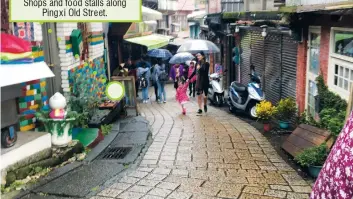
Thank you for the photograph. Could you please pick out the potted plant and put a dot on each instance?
(58, 122)
(265, 111)
(313, 158)
(285, 111)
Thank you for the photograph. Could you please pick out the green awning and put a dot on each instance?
(151, 41)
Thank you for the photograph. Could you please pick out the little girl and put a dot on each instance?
(181, 95)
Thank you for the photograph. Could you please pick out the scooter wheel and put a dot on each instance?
(231, 109)
(6, 140)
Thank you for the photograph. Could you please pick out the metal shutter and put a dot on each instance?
(289, 67)
(272, 77)
(245, 57)
(257, 53)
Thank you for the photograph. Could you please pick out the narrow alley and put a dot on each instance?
(213, 156)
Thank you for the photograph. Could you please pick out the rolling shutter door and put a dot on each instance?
(289, 67)
(245, 57)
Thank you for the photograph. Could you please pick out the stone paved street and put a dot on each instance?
(212, 156)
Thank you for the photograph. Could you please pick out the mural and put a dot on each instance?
(89, 79)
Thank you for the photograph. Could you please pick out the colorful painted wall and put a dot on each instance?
(34, 93)
(81, 74)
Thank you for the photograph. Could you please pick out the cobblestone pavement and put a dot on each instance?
(212, 156)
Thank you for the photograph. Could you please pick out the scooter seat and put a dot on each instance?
(238, 87)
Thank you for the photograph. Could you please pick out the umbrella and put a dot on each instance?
(195, 46)
(181, 58)
(160, 53)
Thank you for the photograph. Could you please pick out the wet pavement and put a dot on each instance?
(211, 156)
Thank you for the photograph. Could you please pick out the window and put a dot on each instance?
(343, 77)
(312, 92)
(314, 53)
(343, 43)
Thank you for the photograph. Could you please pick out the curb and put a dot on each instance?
(72, 166)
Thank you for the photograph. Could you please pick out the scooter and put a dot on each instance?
(245, 98)
(215, 89)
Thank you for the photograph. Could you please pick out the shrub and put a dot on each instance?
(314, 156)
(286, 109)
(265, 110)
(332, 120)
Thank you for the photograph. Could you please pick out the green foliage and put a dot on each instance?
(332, 110)
(286, 109)
(314, 156)
(85, 106)
(329, 99)
(106, 129)
(332, 120)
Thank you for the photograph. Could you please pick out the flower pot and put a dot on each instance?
(267, 127)
(60, 130)
(284, 125)
(314, 171)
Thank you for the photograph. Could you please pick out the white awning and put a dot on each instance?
(149, 14)
(150, 22)
(11, 74)
(197, 14)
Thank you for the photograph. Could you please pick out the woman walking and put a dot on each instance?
(202, 81)
(192, 84)
(336, 177)
(175, 72)
(143, 73)
(154, 79)
(161, 77)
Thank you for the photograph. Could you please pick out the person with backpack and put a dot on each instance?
(143, 74)
(161, 78)
(154, 78)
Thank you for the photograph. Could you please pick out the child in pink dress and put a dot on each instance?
(181, 95)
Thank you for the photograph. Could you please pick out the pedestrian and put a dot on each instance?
(175, 73)
(161, 77)
(154, 79)
(181, 95)
(202, 81)
(192, 83)
(144, 73)
(336, 177)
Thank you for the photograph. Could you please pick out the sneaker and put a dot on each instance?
(199, 112)
(159, 101)
(205, 108)
(165, 102)
(144, 101)
(184, 111)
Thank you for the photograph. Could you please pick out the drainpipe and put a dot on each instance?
(246, 5)
(263, 4)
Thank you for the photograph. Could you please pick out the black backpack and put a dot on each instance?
(143, 81)
(163, 77)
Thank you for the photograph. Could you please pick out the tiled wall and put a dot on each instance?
(80, 74)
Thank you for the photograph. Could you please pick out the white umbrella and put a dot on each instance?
(195, 46)
(181, 58)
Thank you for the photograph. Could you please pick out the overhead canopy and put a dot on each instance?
(197, 14)
(151, 41)
(149, 14)
(12, 74)
(152, 22)
(179, 41)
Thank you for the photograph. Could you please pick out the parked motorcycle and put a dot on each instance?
(215, 89)
(245, 98)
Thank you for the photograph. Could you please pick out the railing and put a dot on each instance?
(167, 5)
(232, 5)
(311, 2)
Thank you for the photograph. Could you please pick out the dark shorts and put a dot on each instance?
(202, 91)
